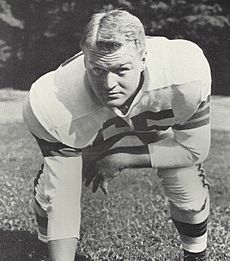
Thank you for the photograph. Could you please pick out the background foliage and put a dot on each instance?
(37, 35)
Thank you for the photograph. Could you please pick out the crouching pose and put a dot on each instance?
(122, 84)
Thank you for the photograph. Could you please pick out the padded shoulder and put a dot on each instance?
(72, 87)
(187, 62)
(63, 96)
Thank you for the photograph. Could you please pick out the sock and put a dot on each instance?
(188, 256)
(193, 237)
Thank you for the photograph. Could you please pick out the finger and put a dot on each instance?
(83, 174)
(96, 183)
(86, 172)
(89, 175)
(104, 186)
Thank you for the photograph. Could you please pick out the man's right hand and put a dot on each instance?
(102, 170)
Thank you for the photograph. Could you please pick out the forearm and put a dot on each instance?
(167, 155)
(132, 157)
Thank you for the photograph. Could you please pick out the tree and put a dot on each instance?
(10, 29)
(51, 30)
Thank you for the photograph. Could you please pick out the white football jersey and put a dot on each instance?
(175, 94)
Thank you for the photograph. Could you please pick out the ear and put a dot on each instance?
(143, 59)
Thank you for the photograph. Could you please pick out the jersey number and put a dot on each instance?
(140, 121)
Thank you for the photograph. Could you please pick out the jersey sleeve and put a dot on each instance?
(191, 79)
(190, 143)
(33, 124)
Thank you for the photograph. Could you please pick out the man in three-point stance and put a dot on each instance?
(122, 84)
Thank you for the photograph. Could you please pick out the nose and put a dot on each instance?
(110, 80)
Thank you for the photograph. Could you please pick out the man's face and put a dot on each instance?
(114, 77)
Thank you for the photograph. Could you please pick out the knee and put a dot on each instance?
(185, 188)
(193, 204)
(190, 213)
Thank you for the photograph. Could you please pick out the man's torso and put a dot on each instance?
(176, 82)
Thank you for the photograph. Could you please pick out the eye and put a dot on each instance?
(98, 71)
(122, 71)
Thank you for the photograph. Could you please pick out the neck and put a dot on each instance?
(125, 107)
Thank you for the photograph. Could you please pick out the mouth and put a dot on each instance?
(111, 95)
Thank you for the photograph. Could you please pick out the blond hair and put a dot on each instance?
(107, 31)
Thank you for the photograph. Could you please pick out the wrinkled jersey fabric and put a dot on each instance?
(175, 95)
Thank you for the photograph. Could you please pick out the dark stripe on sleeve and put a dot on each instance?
(200, 114)
(49, 149)
(204, 102)
(191, 125)
(191, 230)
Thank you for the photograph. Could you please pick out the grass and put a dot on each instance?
(131, 223)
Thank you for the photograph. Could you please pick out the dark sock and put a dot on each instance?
(188, 256)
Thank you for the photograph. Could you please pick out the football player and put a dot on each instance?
(123, 84)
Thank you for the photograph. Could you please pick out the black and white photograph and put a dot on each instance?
(114, 130)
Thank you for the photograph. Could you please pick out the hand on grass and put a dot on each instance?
(102, 170)
(104, 161)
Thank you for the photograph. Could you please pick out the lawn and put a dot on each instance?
(131, 223)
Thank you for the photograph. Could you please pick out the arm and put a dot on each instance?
(192, 80)
(173, 152)
(190, 144)
(185, 149)
(107, 166)
(130, 157)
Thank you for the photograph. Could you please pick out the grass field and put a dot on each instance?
(131, 223)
